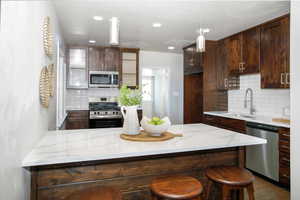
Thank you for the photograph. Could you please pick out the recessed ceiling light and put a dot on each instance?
(156, 24)
(171, 47)
(92, 41)
(98, 18)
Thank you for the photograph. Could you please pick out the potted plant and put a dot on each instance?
(129, 100)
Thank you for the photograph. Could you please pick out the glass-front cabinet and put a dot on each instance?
(77, 68)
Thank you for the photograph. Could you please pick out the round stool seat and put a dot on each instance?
(97, 193)
(176, 187)
(230, 175)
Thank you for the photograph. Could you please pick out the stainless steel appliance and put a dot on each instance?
(104, 113)
(103, 79)
(263, 159)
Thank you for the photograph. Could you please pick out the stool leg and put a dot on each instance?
(241, 194)
(225, 192)
(153, 196)
(209, 186)
(250, 190)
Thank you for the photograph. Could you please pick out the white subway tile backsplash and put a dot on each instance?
(269, 102)
(79, 99)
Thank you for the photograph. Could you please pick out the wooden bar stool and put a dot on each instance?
(96, 193)
(231, 178)
(176, 187)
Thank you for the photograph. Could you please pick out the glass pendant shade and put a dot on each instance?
(114, 31)
(200, 43)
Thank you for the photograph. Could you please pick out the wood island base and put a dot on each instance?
(131, 175)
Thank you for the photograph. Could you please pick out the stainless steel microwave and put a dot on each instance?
(103, 79)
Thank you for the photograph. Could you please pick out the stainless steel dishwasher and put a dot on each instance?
(263, 159)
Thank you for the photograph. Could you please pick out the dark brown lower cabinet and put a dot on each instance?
(78, 119)
(226, 123)
(284, 156)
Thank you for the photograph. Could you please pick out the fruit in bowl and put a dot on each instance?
(155, 126)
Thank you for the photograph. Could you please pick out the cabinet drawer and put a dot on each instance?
(226, 123)
(233, 124)
(211, 120)
(80, 114)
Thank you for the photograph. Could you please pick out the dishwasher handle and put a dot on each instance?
(262, 127)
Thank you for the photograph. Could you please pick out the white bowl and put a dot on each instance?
(155, 130)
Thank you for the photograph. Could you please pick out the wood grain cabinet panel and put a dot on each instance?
(275, 54)
(284, 156)
(77, 120)
(112, 58)
(250, 51)
(234, 54)
(226, 123)
(96, 59)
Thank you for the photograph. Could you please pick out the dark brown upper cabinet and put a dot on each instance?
(243, 52)
(275, 54)
(111, 58)
(104, 58)
(250, 62)
(234, 54)
(221, 66)
(226, 79)
(193, 60)
(96, 59)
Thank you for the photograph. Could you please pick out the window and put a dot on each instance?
(147, 88)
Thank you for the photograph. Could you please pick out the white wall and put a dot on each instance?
(22, 119)
(174, 62)
(267, 102)
(295, 99)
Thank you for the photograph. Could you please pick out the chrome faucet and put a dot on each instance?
(250, 91)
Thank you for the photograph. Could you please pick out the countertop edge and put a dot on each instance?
(248, 119)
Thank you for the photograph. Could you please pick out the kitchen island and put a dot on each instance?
(67, 161)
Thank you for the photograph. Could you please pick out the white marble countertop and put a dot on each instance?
(257, 118)
(58, 147)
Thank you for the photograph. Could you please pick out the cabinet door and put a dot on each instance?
(273, 55)
(96, 59)
(285, 24)
(250, 51)
(111, 59)
(77, 68)
(234, 53)
(222, 70)
(193, 60)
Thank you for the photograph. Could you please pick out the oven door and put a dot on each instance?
(100, 79)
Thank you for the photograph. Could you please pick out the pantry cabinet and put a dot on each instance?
(275, 54)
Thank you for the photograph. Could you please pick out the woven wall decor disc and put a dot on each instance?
(44, 87)
(47, 37)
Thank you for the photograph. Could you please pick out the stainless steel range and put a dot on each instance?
(104, 112)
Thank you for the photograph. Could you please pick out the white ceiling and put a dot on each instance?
(180, 20)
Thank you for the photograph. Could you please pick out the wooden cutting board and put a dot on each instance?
(146, 137)
(281, 120)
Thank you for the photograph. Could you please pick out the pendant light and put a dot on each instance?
(114, 31)
(200, 42)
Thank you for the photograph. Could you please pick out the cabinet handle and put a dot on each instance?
(281, 78)
(240, 67)
(243, 68)
(226, 83)
(287, 78)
